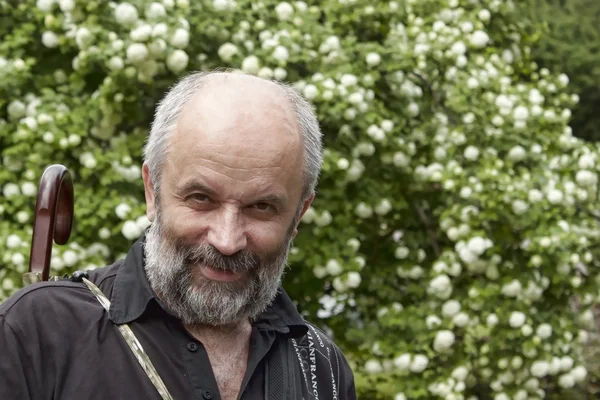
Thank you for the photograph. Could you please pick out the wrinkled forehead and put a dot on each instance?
(241, 129)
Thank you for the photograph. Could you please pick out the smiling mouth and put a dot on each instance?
(220, 275)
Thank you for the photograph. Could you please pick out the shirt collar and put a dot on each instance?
(132, 295)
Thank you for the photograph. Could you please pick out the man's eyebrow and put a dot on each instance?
(272, 198)
(195, 186)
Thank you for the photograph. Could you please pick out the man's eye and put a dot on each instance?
(200, 197)
(262, 206)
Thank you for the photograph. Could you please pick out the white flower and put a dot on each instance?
(116, 63)
(160, 30)
(521, 113)
(45, 5)
(28, 189)
(8, 284)
(333, 267)
(84, 38)
(458, 48)
(180, 38)
(401, 252)
(137, 52)
(17, 259)
(413, 109)
(387, 125)
(141, 33)
(130, 230)
(555, 196)
(479, 39)
(126, 14)
(310, 91)
(284, 11)
(492, 320)
(441, 286)
(516, 153)
(348, 80)
(122, 210)
(324, 219)
(419, 363)
(16, 109)
(400, 396)
(586, 161)
(402, 362)
(373, 59)
(460, 373)
(227, 51)
(519, 207)
(70, 258)
(281, 53)
(400, 159)
(220, 5)
(251, 64)
(517, 319)
(544, 331)
(484, 15)
(280, 73)
(49, 39)
(22, 217)
(104, 233)
(461, 319)
(432, 321)
(156, 11)
(384, 207)
(11, 189)
(143, 222)
(478, 245)
(177, 61)
(539, 369)
(512, 289)
(353, 280)
(586, 178)
(363, 210)
(566, 381)
(373, 367)
(443, 341)
(13, 241)
(579, 373)
(471, 153)
(451, 308)
(535, 195)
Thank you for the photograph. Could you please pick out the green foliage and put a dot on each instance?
(450, 250)
(570, 42)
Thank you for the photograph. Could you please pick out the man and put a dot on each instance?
(230, 167)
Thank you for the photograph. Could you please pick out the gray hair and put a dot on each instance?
(170, 107)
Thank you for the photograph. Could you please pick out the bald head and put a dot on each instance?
(231, 103)
(235, 106)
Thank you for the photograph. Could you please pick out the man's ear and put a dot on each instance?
(149, 193)
(305, 207)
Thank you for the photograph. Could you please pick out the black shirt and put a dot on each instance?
(58, 342)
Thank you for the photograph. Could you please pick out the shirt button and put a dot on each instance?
(192, 346)
(207, 394)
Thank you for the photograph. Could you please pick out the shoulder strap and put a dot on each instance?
(134, 345)
(286, 373)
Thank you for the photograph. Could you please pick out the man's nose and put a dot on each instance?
(227, 233)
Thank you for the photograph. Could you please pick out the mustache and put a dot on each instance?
(243, 260)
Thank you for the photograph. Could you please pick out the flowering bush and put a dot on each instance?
(450, 250)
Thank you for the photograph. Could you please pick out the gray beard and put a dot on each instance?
(195, 299)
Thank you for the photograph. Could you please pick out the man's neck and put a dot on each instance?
(211, 335)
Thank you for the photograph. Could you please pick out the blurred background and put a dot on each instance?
(452, 249)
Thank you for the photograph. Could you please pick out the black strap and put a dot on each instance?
(283, 378)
